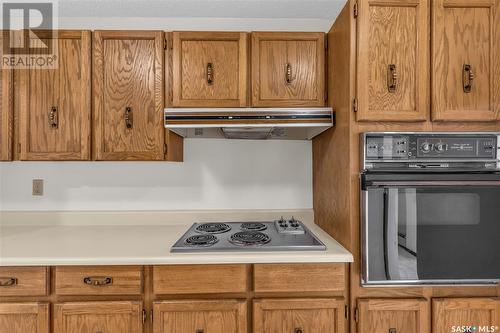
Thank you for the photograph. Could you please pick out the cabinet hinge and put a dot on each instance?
(355, 10)
(19, 148)
(165, 149)
(143, 316)
(355, 105)
(356, 315)
(151, 315)
(165, 43)
(346, 312)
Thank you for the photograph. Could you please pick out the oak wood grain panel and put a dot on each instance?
(192, 279)
(323, 315)
(126, 280)
(209, 316)
(298, 277)
(403, 315)
(24, 318)
(128, 72)
(448, 312)
(393, 33)
(192, 52)
(66, 87)
(271, 52)
(6, 110)
(30, 281)
(91, 317)
(463, 33)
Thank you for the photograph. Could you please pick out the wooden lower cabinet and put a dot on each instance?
(393, 316)
(24, 317)
(313, 315)
(98, 317)
(204, 316)
(463, 314)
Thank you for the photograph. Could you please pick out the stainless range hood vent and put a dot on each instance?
(249, 123)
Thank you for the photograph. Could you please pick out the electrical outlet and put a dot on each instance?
(38, 187)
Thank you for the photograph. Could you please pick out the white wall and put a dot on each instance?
(215, 174)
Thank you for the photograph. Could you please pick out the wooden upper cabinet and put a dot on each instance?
(210, 316)
(209, 69)
(393, 316)
(288, 69)
(479, 312)
(128, 95)
(5, 110)
(464, 60)
(393, 58)
(102, 317)
(298, 316)
(54, 105)
(24, 317)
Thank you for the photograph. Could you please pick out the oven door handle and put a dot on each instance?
(433, 183)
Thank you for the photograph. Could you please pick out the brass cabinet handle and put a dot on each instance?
(393, 330)
(288, 74)
(298, 330)
(98, 280)
(53, 117)
(8, 281)
(467, 78)
(392, 78)
(200, 330)
(129, 119)
(210, 74)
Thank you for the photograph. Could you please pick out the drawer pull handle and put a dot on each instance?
(98, 281)
(392, 78)
(467, 78)
(129, 118)
(53, 117)
(393, 330)
(288, 74)
(8, 281)
(210, 74)
(200, 330)
(298, 330)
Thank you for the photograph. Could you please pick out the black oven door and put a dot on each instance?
(430, 228)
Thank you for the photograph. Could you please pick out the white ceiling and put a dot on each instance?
(305, 15)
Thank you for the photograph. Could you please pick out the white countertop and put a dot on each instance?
(140, 244)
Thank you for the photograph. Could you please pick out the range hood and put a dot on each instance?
(249, 123)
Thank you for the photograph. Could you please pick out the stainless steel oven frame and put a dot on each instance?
(365, 281)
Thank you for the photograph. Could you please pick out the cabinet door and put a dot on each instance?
(54, 106)
(298, 316)
(288, 69)
(209, 69)
(128, 95)
(24, 317)
(393, 316)
(5, 110)
(482, 313)
(102, 317)
(393, 57)
(463, 60)
(228, 316)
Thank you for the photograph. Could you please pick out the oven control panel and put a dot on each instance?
(431, 147)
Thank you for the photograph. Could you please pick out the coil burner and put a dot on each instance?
(249, 238)
(253, 226)
(201, 240)
(213, 228)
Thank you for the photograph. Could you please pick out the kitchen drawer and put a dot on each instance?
(99, 280)
(299, 277)
(200, 279)
(23, 281)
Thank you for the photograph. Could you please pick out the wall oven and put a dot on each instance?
(430, 208)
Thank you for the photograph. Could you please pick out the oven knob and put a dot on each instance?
(440, 147)
(426, 147)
